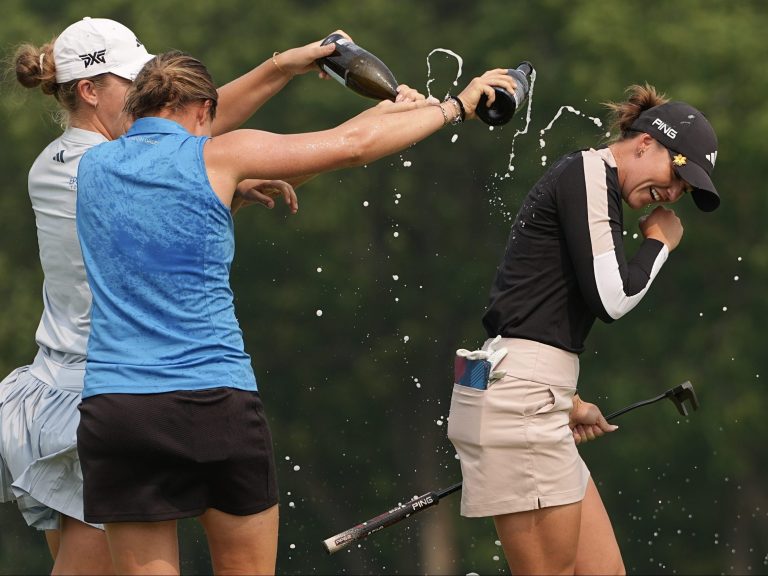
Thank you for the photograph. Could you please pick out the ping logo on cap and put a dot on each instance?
(664, 127)
(711, 157)
(96, 57)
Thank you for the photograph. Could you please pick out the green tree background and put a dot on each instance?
(398, 256)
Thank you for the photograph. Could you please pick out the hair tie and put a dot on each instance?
(42, 57)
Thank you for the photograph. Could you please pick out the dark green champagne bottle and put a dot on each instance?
(358, 69)
(505, 105)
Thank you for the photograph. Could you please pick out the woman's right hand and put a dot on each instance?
(484, 84)
(303, 59)
(663, 225)
(587, 422)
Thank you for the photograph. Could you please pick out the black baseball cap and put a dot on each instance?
(691, 142)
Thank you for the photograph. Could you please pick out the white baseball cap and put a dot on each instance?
(96, 46)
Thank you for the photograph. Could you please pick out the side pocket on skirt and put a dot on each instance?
(550, 399)
(465, 420)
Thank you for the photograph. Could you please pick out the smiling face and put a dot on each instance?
(646, 173)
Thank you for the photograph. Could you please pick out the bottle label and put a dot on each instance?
(335, 76)
(519, 96)
(521, 88)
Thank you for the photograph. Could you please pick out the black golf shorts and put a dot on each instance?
(151, 457)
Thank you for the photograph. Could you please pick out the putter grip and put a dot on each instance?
(361, 531)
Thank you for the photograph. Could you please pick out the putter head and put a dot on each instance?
(682, 394)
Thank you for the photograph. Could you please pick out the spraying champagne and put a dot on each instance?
(358, 69)
(505, 105)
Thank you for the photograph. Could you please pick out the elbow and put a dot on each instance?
(358, 146)
(616, 307)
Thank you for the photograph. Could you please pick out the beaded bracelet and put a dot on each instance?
(461, 107)
(460, 114)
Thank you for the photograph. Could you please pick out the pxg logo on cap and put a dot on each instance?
(95, 58)
(96, 46)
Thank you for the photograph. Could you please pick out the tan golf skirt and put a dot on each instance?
(516, 449)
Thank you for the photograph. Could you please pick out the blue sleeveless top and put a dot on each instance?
(157, 244)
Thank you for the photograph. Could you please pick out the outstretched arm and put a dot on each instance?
(239, 99)
(382, 130)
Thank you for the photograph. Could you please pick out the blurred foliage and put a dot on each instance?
(353, 308)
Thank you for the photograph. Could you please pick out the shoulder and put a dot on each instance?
(100, 154)
(592, 165)
(236, 138)
(563, 171)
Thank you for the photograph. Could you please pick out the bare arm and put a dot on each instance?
(239, 99)
(382, 130)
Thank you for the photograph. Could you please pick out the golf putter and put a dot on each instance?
(679, 395)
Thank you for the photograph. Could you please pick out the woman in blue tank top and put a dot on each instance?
(171, 421)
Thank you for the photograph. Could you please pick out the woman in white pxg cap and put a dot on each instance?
(88, 69)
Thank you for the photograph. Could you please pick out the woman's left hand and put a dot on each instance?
(485, 84)
(407, 94)
(304, 58)
(264, 192)
(587, 422)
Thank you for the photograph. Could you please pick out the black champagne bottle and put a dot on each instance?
(358, 69)
(503, 108)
